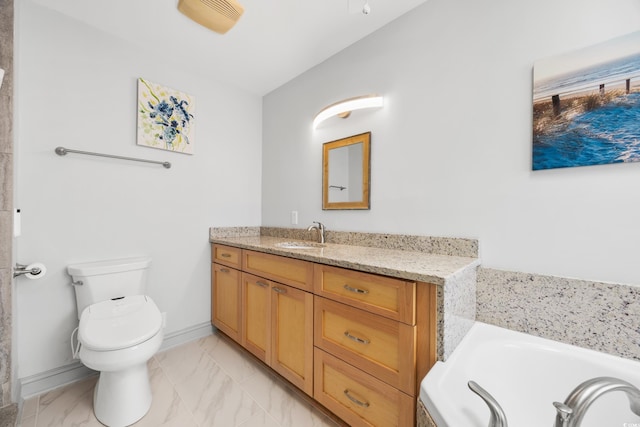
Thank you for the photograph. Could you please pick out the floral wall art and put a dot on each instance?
(586, 106)
(165, 118)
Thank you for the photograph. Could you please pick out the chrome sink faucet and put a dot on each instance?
(319, 229)
(571, 412)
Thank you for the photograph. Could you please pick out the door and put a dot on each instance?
(225, 300)
(256, 316)
(292, 335)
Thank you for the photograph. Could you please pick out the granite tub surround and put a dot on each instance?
(599, 316)
(458, 302)
(423, 419)
(455, 276)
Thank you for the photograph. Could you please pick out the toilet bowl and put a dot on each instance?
(117, 338)
(120, 329)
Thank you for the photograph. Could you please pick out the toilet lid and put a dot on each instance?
(119, 323)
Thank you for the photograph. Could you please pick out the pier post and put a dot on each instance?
(555, 100)
(628, 86)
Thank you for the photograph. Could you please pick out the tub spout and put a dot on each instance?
(498, 417)
(570, 413)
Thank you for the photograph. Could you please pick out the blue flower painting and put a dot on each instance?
(165, 118)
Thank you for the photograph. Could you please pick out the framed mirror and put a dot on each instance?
(345, 172)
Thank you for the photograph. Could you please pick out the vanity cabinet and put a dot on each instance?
(273, 315)
(358, 342)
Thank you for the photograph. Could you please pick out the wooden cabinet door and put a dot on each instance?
(225, 300)
(292, 335)
(256, 316)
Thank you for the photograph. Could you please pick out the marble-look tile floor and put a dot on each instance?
(204, 383)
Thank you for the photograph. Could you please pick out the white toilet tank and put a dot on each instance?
(104, 280)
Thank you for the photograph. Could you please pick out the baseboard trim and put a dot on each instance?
(53, 378)
(185, 335)
(37, 384)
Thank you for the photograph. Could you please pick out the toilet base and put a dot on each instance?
(123, 397)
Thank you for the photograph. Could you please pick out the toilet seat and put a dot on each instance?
(119, 323)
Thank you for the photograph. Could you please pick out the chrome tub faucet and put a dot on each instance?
(497, 415)
(571, 412)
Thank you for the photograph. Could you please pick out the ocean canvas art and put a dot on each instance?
(586, 106)
(165, 118)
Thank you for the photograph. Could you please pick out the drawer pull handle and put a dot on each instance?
(225, 255)
(261, 284)
(356, 339)
(279, 290)
(354, 400)
(224, 270)
(356, 290)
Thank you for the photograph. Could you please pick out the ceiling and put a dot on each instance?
(273, 42)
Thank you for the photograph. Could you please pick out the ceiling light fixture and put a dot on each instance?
(344, 108)
(217, 15)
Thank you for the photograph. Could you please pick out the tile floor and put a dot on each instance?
(207, 383)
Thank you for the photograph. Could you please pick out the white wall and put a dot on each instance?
(76, 87)
(451, 150)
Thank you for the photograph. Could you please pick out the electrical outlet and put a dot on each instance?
(294, 217)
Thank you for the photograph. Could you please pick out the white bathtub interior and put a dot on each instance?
(525, 374)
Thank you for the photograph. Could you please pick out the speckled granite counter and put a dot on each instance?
(454, 275)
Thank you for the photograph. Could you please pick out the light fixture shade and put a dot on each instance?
(216, 15)
(344, 107)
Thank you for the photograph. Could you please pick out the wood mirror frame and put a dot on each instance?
(353, 173)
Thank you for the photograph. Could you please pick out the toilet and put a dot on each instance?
(120, 330)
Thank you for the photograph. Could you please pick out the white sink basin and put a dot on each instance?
(299, 245)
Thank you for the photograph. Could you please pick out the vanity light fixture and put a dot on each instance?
(344, 108)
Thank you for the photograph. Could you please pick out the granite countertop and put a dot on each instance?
(411, 265)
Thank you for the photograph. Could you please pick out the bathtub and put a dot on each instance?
(525, 374)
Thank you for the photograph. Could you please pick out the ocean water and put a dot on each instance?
(607, 72)
(609, 134)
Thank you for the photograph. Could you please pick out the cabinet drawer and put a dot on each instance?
(226, 255)
(382, 347)
(358, 398)
(292, 272)
(386, 296)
